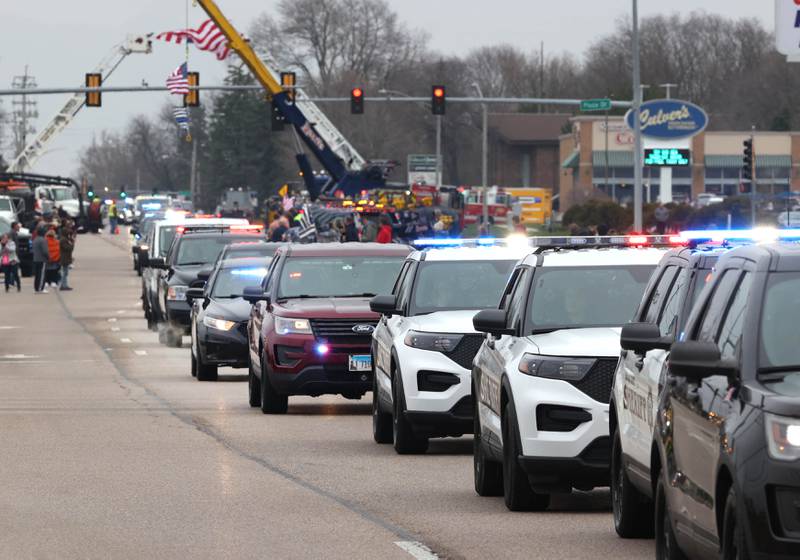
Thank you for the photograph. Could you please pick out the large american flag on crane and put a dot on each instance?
(207, 37)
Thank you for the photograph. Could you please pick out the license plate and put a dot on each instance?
(360, 362)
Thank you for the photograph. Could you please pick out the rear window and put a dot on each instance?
(202, 250)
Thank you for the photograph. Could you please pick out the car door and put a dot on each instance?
(492, 358)
(257, 313)
(635, 422)
(383, 337)
(698, 411)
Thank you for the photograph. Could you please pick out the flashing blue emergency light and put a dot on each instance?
(151, 206)
(322, 349)
(257, 272)
(758, 235)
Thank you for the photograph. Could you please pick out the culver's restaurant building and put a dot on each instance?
(597, 162)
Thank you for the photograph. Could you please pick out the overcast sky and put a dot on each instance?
(60, 41)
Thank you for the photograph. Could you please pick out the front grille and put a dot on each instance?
(597, 383)
(465, 351)
(341, 330)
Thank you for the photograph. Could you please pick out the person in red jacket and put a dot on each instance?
(385, 231)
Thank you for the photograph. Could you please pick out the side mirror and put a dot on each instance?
(158, 262)
(643, 337)
(492, 321)
(385, 305)
(194, 293)
(254, 294)
(697, 360)
(205, 274)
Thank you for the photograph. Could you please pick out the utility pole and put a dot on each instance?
(484, 156)
(193, 173)
(668, 88)
(637, 124)
(753, 182)
(24, 109)
(438, 151)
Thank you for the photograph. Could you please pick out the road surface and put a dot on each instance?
(110, 449)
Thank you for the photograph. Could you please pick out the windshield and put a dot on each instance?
(779, 348)
(165, 240)
(338, 276)
(254, 251)
(231, 282)
(453, 285)
(5, 205)
(202, 250)
(579, 296)
(65, 193)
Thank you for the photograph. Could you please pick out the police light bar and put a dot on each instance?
(608, 241)
(440, 242)
(756, 235)
(256, 228)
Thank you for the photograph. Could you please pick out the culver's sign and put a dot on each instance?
(669, 119)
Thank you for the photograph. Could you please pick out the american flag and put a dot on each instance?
(207, 37)
(178, 81)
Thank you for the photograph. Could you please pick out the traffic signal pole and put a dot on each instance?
(637, 125)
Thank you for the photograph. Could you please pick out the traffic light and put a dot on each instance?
(93, 98)
(289, 81)
(357, 101)
(277, 117)
(438, 100)
(123, 194)
(748, 160)
(90, 193)
(192, 99)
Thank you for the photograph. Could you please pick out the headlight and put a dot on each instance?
(568, 369)
(435, 342)
(144, 247)
(219, 324)
(783, 436)
(177, 293)
(287, 325)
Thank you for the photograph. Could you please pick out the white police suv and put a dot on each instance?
(424, 344)
(542, 378)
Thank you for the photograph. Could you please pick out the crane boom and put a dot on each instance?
(35, 148)
(346, 167)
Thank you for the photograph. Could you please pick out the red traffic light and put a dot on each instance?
(357, 101)
(438, 100)
(438, 92)
(358, 92)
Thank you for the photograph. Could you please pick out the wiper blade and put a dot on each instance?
(284, 298)
(354, 295)
(778, 369)
(546, 330)
(191, 264)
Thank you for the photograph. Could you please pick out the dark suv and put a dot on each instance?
(311, 326)
(728, 423)
(193, 248)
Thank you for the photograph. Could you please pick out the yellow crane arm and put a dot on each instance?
(242, 47)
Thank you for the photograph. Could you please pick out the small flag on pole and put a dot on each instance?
(181, 115)
(178, 81)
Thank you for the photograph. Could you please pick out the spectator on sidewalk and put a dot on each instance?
(67, 245)
(9, 262)
(41, 256)
(385, 231)
(53, 276)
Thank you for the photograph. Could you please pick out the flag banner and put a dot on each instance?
(181, 117)
(178, 81)
(207, 37)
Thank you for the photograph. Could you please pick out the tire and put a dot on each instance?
(271, 402)
(666, 546)
(253, 387)
(733, 539)
(205, 372)
(382, 430)
(173, 339)
(405, 441)
(517, 491)
(633, 512)
(194, 364)
(488, 474)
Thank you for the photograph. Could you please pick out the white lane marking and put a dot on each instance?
(417, 550)
(114, 329)
(125, 340)
(120, 312)
(17, 357)
(112, 320)
(8, 327)
(140, 352)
